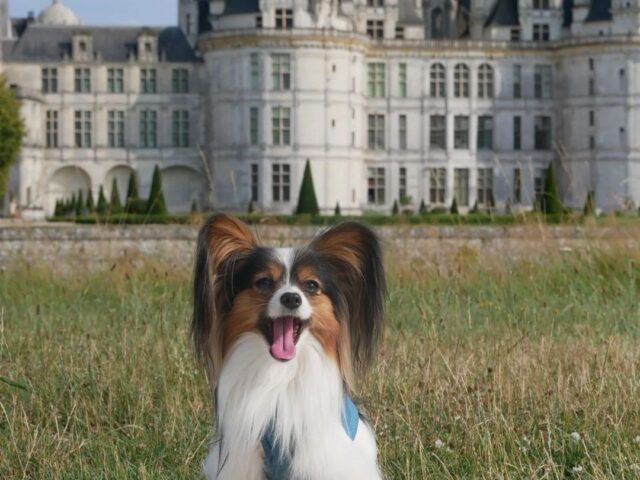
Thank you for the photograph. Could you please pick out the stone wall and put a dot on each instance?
(94, 247)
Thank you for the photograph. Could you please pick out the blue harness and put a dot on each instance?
(277, 462)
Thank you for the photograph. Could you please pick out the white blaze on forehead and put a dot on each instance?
(275, 308)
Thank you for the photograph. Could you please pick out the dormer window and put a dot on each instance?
(284, 18)
(82, 46)
(147, 47)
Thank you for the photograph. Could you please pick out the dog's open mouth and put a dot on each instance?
(283, 334)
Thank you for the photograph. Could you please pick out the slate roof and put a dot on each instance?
(600, 11)
(504, 14)
(41, 43)
(567, 14)
(237, 7)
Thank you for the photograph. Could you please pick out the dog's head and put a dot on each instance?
(332, 289)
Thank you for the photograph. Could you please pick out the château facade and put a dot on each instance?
(388, 100)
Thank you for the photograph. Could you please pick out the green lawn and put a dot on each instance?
(496, 371)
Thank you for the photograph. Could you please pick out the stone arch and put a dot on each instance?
(64, 183)
(121, 173)
(181, 186)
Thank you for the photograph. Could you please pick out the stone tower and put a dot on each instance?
(4, 19)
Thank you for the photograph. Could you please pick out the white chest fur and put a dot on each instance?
(307, 393)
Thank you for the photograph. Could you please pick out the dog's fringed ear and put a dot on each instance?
(353, 252)
(223, 242)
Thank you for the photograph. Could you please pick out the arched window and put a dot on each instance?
(437, 23)
(485, 81)
(461, 81)
(438, 81)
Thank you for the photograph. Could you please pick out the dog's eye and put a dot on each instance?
(264, 283)
(311, 286)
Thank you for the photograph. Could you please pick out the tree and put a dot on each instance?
(589, 205)
(454, 207)
(59, 210)
(551, 204)
(103, 206)
(423, 208)
(156, 204)
(475, 208)
(337, 212)
(395, 210)
(132, 187)
(79, 204)
(116, 205)
(307, 201)
(12, 131)
(91, 208)
(250, 208)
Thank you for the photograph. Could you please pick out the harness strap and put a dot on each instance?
(277, 463)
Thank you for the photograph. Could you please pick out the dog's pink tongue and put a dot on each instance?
(283, 346)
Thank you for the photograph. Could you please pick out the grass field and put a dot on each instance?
(488, 370)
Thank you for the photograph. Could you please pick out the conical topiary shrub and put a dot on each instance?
(307, 201)
(551, 204)
(395, 210)
(336, 211)
(475, 208)
(132, 187)
(454, 207)
(590, 205)
(79, 205)
(115, 204)
(423, 208)
(91, 207)
(102, 207)
(194, 207)
(156, 204)
(57, 212)
(250, 207)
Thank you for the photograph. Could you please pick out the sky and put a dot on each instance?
(107, 12)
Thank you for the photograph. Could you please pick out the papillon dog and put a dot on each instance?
(282, 332)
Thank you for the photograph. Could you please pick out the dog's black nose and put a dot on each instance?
(291, 300)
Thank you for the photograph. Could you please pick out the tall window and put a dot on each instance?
(402, 79)
(52, 129)
(461, 132)
(254, 68)
(517, 81)
(541, 4)
(461, 186)
(402, 185)
(281, 71)
(254, 126)
(376, 186)
(376, 132)
(180, 80)
(375, 28)
(181, 128)
(515, 34)
(485, 132)
(517, 186)
(83, 123)
(148, 80)
(148, 129)
(461, 81)
(376, 79)
(543, 81)
(255, 182)
(49, 80)
(542, 132)
(517, 132)
(437, 23)
(539, 178)
(375, 3)
(402, 132)
(485, 81)
(115, 128)
(438, 81)
(541, 32)
(281, 182)
(281, 125)
(82, 80)
(592, 86)
(438, 132)
(115, 80)
(437, 186)
(284, 18)
(485, 186)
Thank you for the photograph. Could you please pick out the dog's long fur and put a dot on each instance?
(302, 398)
